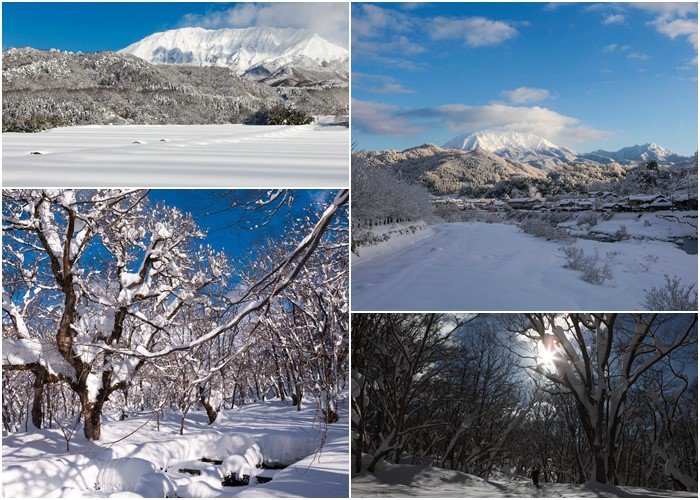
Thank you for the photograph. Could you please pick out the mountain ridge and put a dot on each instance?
(242, 49)
(542, 153)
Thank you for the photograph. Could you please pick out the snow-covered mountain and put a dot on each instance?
(526, 148)
(637, 153)
(541, 153)
(256, 50)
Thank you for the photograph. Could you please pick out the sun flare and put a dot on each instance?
(545, 357)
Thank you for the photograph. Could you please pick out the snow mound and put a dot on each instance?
(198, 489)
(134, 475)
(237, 466)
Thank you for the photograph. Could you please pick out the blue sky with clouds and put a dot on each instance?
(586, 76)
(92, 26)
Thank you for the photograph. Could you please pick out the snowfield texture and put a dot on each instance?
(178, 156)
(240, 49)
(391, 480)
(485, 267)
(149, 463)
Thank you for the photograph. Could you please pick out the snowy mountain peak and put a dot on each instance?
(495, 141)
(240, 49)
(523, 147)
(639, 152)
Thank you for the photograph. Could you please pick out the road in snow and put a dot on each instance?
(477, 266)
(178, 156)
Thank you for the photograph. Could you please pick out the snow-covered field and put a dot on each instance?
(475, 266)
(36, 464)
(178, 156)
(391, 480)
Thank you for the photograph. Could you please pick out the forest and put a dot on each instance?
(587, 399)
(113, 304)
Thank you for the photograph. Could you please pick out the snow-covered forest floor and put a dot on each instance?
(484, 266)
(178, 155)
(392, 480)
(273, 433)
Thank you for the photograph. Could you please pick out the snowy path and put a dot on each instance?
(178, 155)
(485, 267)
(36, 464)
(405, 480)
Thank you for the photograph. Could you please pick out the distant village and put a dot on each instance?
(603, 201)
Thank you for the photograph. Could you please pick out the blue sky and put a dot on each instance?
(586, 76)
(93, 26)
(233, 230)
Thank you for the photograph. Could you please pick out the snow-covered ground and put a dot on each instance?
(391, 480)
(663, 225)
(475, 266)
(178, 156)
(36, 464)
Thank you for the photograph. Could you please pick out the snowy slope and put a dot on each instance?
(241, 49)
(485, 267)
(35, 464)
(527, 148)
(178, 155)
(391, 480)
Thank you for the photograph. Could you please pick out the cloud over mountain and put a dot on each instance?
(327, 19)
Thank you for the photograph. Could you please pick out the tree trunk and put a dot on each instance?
(92, 419)
(37, 408)
(211, 412)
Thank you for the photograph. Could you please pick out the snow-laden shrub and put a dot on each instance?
(672, 296)
(592, 270)
(544, 230)
(589, 219)
(621, 234)
(134, 475)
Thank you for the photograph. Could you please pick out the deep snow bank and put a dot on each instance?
(35, 464)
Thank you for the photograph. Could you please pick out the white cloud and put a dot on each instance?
(378, 84)
(673, 28)
(640, 56)
(537, 120)
(473, 31)
(614, 19)
(523, 95)
(327, 19)
(380, 118)
(614, 47)
(388, 119)
(674, 19)
(371, 21)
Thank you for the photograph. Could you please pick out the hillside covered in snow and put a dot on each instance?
(45, 89)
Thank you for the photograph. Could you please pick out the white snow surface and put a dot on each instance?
(190, 156)
(36, 464)
(392, 480)
(476, 266)
(240, 49)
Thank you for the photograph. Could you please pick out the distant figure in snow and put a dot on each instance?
(535, 474)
